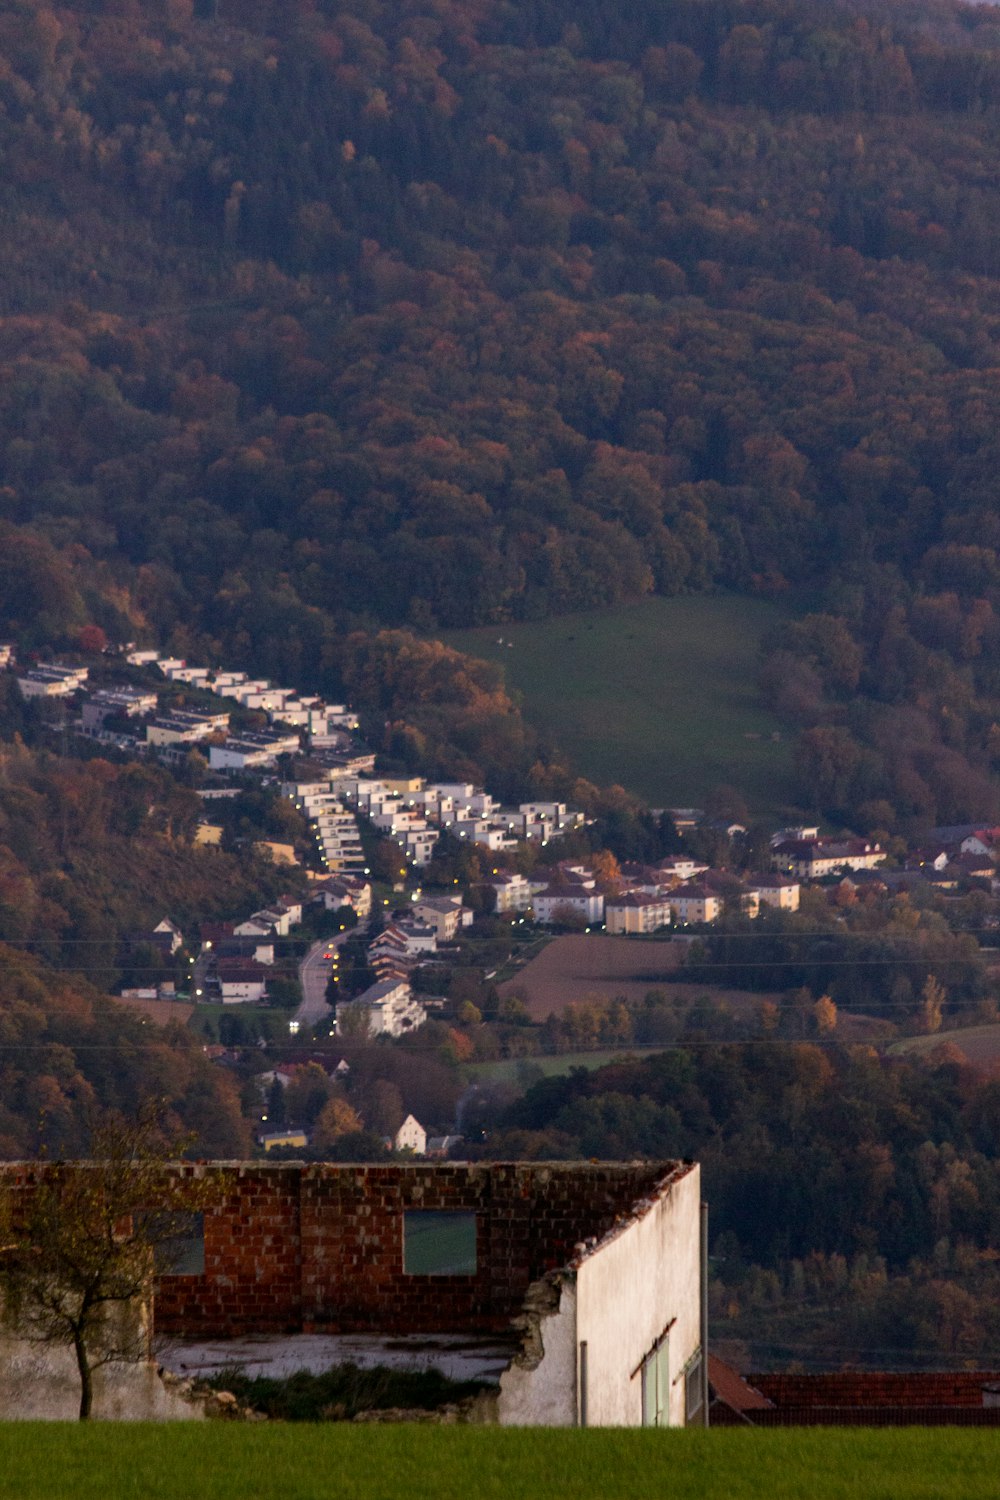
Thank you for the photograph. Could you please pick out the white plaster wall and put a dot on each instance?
(40, 1383)
(627, 1291)
(544, 1394)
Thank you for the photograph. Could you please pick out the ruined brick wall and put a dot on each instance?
(300, 1247)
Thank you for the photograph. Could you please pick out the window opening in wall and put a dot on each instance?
(656, 1384)
(181, 1251)
(439, 1244)
(692, 1387)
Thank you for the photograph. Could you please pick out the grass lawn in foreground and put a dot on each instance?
(220, 1461)
(658, 696)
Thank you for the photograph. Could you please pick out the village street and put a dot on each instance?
(314, 972)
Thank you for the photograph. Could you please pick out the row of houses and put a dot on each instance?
(412, 813)
(334, 828)
(389, 1007)
(676, 892)
(140, 720)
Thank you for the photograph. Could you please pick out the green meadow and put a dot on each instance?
(659, 696)
(222, 1461)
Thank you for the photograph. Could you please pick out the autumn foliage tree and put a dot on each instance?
(80, 1240)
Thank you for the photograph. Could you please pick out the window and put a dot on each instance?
(692, 1388)
(656, 1384)
(439, 1244)
(181, 1251)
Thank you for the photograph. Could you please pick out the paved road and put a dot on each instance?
(314, 971)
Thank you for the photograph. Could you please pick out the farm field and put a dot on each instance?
(658, 696)
(592, 965)
(336, 1461)
(980, 1044)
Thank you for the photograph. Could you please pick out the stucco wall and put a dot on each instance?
(39, 1382)
(628, 1290)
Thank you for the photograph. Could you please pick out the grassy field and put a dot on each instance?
(214, 1461)
(980, 1044)
(658, 696)
(518, 1069)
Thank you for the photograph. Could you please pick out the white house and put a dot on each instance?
(778, 891)
(51, 681)
(556, 900)
(411, 1136)
(241, 982)
(811, 858)
(511, 892)
(387, 1008)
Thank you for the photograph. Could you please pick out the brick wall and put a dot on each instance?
(320, 1247)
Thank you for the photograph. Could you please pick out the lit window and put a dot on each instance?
(439, 1244)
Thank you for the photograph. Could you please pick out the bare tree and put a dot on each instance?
(79, 1243)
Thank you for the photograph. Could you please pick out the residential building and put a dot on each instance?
(557, 902)
(778, 891)
(296, 1139)
(511, 892)
(251, 750)
(680, 867)
(694, 903)
(387, 1008)
(406, 942)
(636, 911)
(411, 1136)
(176, 731)
(51, 681)
(445, 914)
(811, 858)
(120, 702)
(341, 890)
(241, 981)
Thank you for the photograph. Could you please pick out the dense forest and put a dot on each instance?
(323, 318)
(855, 1204)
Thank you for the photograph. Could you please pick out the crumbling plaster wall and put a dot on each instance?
(644, 1278)
(617, 1297)
(40, 1382)
(538, 1389)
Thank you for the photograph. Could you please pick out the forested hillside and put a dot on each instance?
(854, 1203)
(327, 316)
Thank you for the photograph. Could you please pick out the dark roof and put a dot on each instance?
(239, 970)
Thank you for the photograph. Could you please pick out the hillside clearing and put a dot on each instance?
(658, 696)
(980, 1045)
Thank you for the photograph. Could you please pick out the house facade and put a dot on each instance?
(636, 912)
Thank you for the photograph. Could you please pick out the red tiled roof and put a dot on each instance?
(729, 1386)
(876, 1388)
